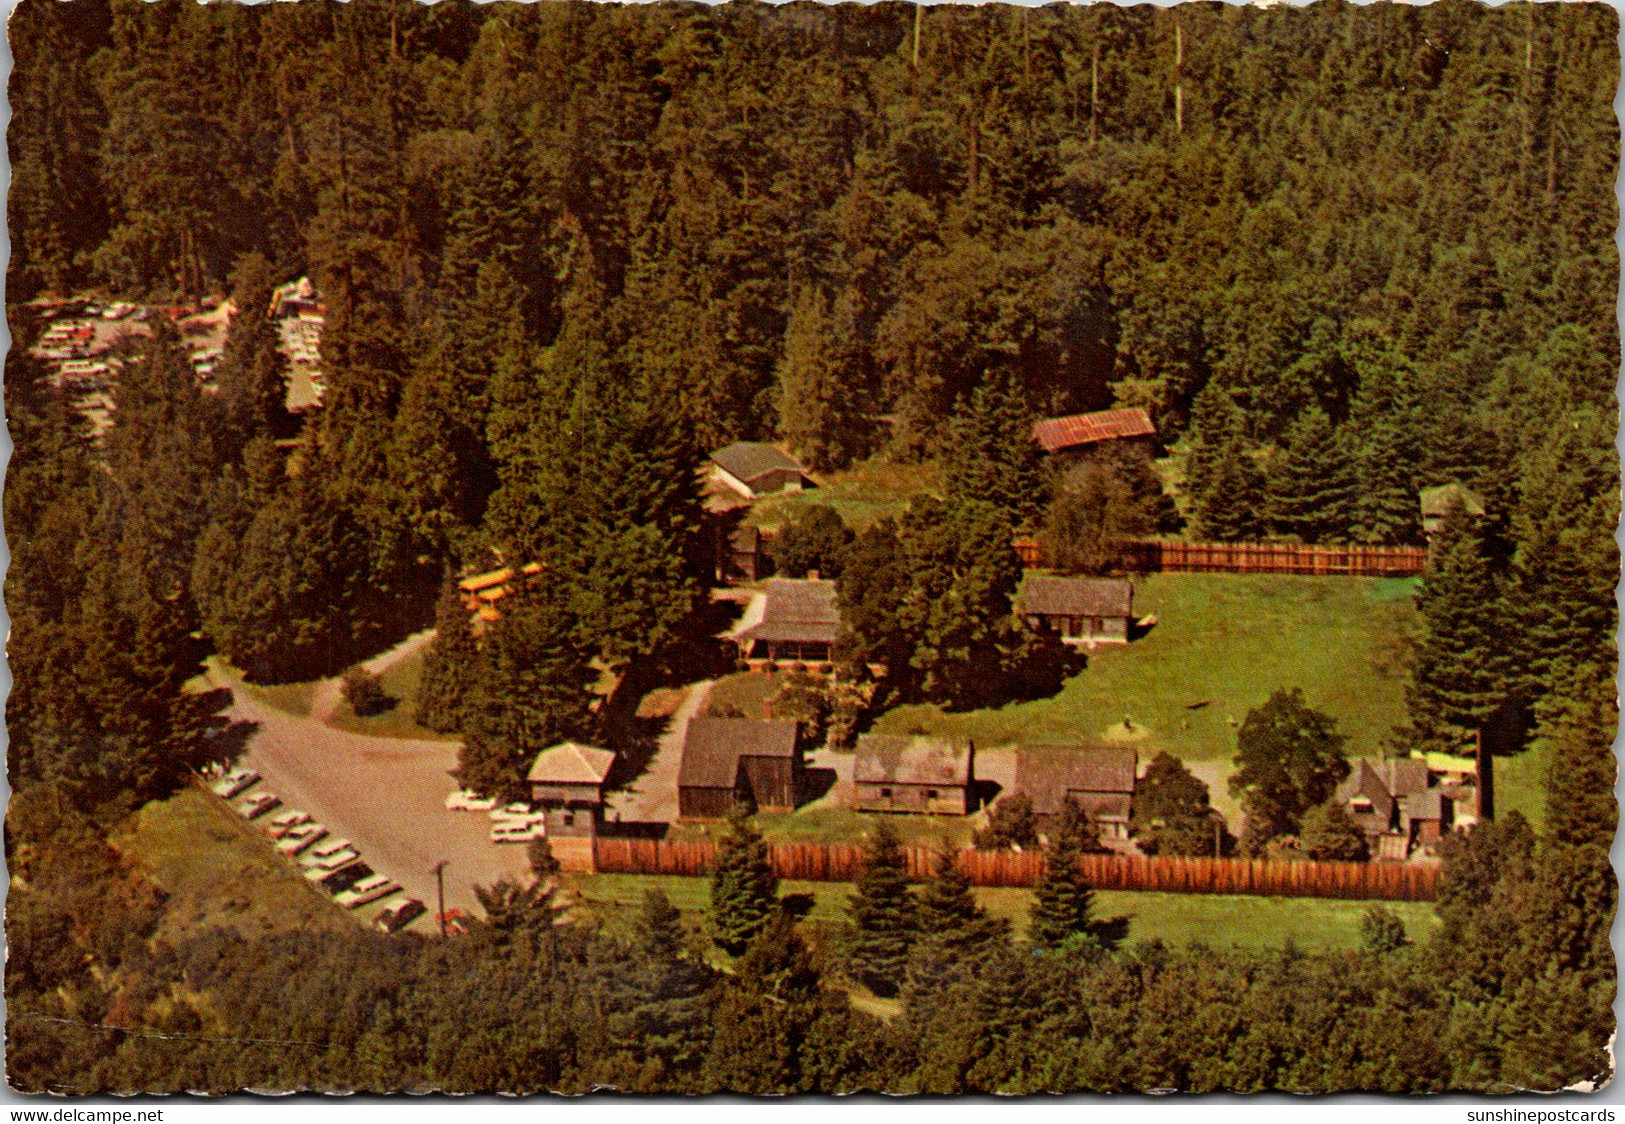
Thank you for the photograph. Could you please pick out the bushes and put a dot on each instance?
(365, 692)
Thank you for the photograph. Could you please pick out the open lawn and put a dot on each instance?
(1222, 644)
(219, 871)
(1178, 919)
(400, 682)
(863, 494)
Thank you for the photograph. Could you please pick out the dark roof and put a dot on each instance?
(1054, 434)
(1043, 595)
(751, 460)
(890, 759)
(797, 609)
(1424, 805)
(712, 748)
(1047, 773)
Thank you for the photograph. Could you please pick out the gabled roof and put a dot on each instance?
(1054, 434)
(890, 759)
(1437, 502)
(1045, 595)
(800, 609)
(1047, 773)
(751, 460)
(712, 748)
(571, 763)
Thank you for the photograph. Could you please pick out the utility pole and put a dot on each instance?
(919, 14)
(1179, 73)
(440, 893)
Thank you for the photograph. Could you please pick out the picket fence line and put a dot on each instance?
(816, 862)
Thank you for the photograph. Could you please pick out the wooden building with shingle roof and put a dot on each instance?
(1100, 778)
(728, 761)
(914, 774)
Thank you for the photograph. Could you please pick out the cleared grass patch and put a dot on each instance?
(1218, 921)
(863, 494)
(400, 682)
(219, 871)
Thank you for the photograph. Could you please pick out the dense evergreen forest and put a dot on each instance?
(1341, 253)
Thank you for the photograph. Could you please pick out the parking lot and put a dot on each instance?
(386, 795)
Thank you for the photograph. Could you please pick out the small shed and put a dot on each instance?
(728, 761)
(1099, 778)
(914, 774)
(1078, 433)
(754, 469)
(791, 620)
(567, 781)
(1079, 610)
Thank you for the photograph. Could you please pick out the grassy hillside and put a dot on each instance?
(1218, 921)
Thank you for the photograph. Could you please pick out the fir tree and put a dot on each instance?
(1063, 901)
(821, 384)
(1310, 482)
(953, 931)
(744, 889)
(1224, 482)
(990, 456)
(450, 664)
(1462, 665)
(882, 910)
(252, 379)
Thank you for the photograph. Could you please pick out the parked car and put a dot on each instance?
(398, 916)
(285, 822)
(235, 782)
(344, 877)
(517, 831)
(378, 893)
(301, 837)
(348, 895)
(259, 804)
(324, 870)
(516, 810)
(328, 847)
(331, 862)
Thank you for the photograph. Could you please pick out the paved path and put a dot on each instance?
(386, 795)
(653, 796)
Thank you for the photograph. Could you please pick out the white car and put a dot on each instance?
(377, 894)
(235, 782)
(285, 822)
(259, 804)
(465, 801)
(327, 864)
(516, 810)
(517, 831)
(332, 845)
(301, 837)
(366, 885)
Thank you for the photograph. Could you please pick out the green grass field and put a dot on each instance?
(863, 494)
(219, 871)
(1178, 919)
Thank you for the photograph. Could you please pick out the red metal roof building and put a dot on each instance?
(1075, 430)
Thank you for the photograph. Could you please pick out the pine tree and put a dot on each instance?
(882, 910)
(1310, 486)
(744, 889)
(1462, 668)
(664, 1015)
(533, 690)
(990, 456)
(821, 384)
(252, 379)
(954, 932)
(1063, 900)
(450, 664)
(1224, 482)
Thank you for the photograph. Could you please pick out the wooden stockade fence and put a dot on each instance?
(1150, 556)
(815, 862)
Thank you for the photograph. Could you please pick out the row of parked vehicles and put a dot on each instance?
(510, 823)
(329, 862)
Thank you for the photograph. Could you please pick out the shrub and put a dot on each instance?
(365, 692)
